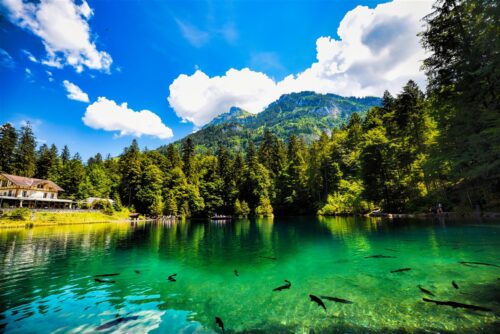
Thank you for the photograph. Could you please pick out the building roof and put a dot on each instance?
(29, 182)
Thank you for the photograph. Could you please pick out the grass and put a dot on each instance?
(62, 218)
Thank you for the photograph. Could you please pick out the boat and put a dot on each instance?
(221, 217)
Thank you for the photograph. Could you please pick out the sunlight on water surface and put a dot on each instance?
(47, 276)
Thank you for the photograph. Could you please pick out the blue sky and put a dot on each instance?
(68, 67)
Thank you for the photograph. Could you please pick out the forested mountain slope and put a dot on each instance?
(304, 114)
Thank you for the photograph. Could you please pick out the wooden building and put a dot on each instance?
(26, 192)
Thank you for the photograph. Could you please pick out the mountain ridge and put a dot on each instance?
(305, 114)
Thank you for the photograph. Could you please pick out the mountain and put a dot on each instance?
(235, 114)
(304, 114)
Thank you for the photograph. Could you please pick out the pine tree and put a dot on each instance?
(25, 155)
(65, 155)
(225, 171)
(45, 162)
(8, 141)
(187, 158)
(148, 196)
(173, 156)
(130, 171)
(463, 71)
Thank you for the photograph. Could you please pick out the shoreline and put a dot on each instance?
(84, 218)
(54, 218)
(452, 215)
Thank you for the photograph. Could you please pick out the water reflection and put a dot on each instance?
(46, 275)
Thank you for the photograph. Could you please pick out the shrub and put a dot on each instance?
(118, 204)
(103, 205)
(346, 201)
(264, 209)
(241, 209)
(19, 214)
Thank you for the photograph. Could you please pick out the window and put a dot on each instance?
(25, 193)
(44, 195)
(52, 195)
(10, 192)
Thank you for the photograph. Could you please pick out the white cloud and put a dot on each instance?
(29, 55)
(378, 49)
(107, 115)
(74, 92)
(199, 98)
(6, 59)
(200, 34)
(28, 74)
(193, 34)
(63, 27)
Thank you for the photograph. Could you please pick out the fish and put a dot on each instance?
(456, 304)
(318, 301)
(219, 322)
(236, 272)
(268, 257)
(137, 271)
(400, 270)
(107, 275)
(98, 280)
(425, 290)
(116, 322)
(455, 285)
(335, 299)
(283, 287)
(380, 257)
(468, 263)
(171, 278)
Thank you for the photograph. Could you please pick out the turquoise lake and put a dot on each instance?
(47, 276)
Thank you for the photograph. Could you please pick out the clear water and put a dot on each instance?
(47, 283)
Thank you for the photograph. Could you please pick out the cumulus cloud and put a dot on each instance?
(63, 27)
(377, 49)
(74, 92)
(198, 98)
(107, 115)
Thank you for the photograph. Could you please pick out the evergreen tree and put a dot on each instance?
(294, 183)
(225, 172)
(463, 71)
(170, 205)
(188, 158)
(211, 186)
(130, 171)
(53, 171)
(8, 141)
(256, 182)
(65, 155)
(173, 156)
(25, 155)
(72, 179)
(45, 162)
(148, 197)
